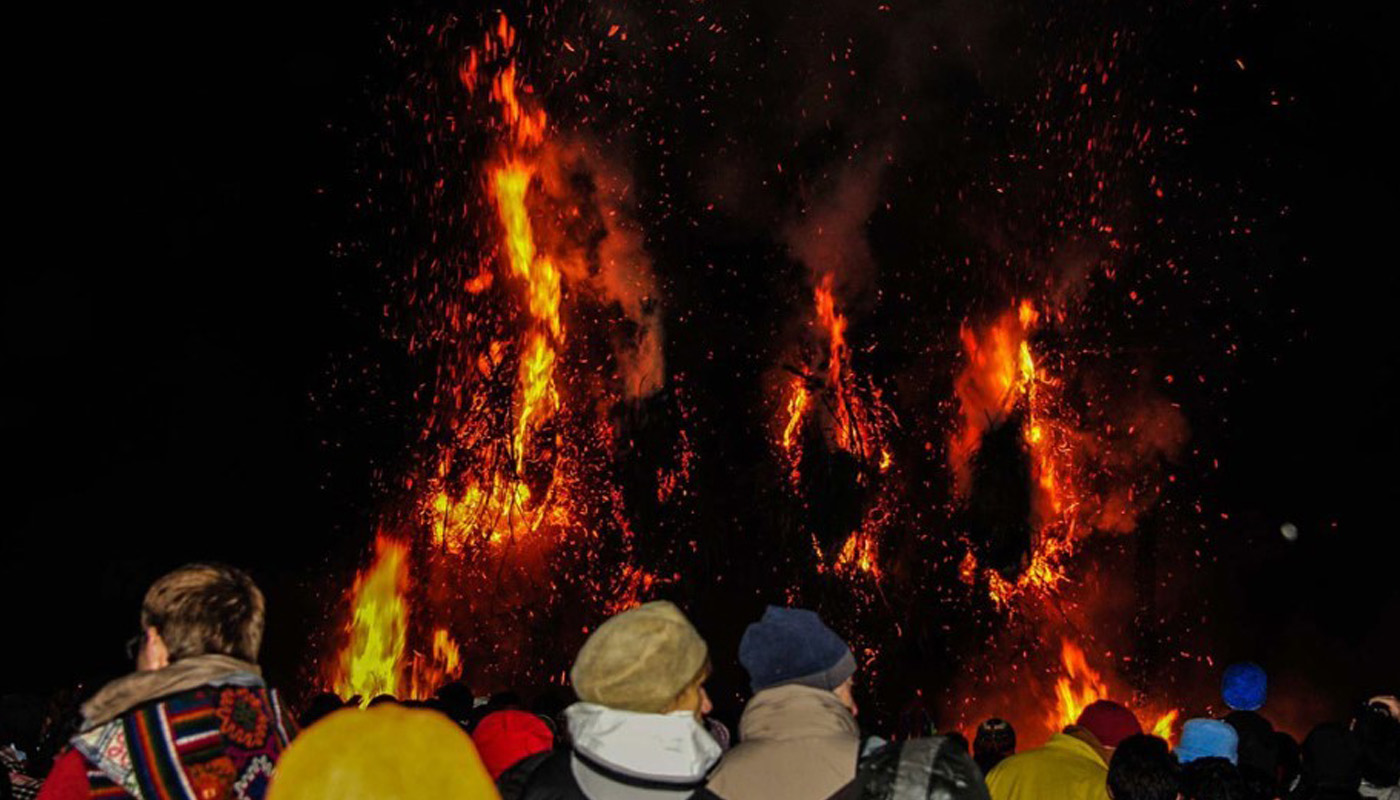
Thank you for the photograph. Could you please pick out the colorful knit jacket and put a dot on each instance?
(209, 743)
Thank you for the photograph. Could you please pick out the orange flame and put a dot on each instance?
(1001, 378)
(859, 553)
(855, 420)
(796, 410)
(855, 426)
(1081, 685)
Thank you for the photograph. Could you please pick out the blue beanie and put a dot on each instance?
(1208, 738)
(1244, 686)
(793, 645)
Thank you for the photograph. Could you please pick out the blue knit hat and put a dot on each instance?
(1244, 686)
(793, 645)
(1208, 738)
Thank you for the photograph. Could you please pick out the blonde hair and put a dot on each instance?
(206, 608)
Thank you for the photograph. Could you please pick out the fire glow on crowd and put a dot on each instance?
(539, 309)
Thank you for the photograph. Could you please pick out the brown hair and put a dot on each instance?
(206, 608)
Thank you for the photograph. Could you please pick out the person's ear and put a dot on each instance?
(154, 654)
(846, 694)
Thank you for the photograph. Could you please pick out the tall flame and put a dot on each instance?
(495, 505)
(371, 663)
(515, 466)
(1002, 378)
(854, 418)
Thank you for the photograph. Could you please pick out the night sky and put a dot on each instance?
(194, 365)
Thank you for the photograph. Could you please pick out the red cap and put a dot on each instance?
(505, 738)
(1110, 722)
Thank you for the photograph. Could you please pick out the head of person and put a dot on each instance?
(1378, 734)
(505, 738)
(384, 751)
(456, 701)
(1212, 779)
(1258, 747)
(1208, 738)
(1143, 768)
(1331, 759)
(792, 646)
(1244, 686)
(200, 609)
(647, 660)
(994, 741)
(1109, 722)
(320, 706)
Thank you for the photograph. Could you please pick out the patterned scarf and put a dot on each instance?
(130, 691)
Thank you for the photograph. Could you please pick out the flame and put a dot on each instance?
(859, 553)
(492, 515)
(1001, 377)
(510, 183)
(858, 418)
(516, 463)
(791, 442)
(1165, 726)
(834, 324)
(371, 662)
(1081, 684)
(854, 418)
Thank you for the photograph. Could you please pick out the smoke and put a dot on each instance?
(1154, 431)
(829, 237)
(602, 253)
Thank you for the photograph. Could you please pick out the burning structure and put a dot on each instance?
(515, 502)
(963, 465)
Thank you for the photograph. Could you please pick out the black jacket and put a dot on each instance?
(553, 779)
(511, 784)
(917, 769)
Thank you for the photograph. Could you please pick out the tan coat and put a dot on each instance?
(797, 743)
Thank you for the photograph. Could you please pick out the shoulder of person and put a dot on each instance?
(513, 781)
(932, 766)
(552, 779)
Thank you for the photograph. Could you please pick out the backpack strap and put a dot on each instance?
(916, 758)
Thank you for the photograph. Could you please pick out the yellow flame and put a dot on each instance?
(796, 408)
(378, 629)
(1165, 726)
(538, 399)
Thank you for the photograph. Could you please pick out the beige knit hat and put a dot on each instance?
(640, 660)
